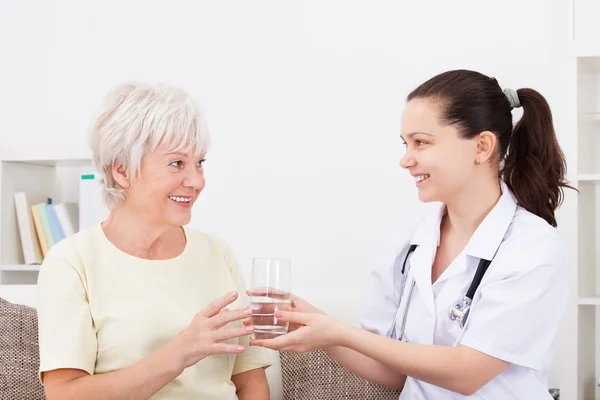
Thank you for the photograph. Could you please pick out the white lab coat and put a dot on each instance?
(516, 310)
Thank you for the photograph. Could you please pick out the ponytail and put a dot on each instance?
(534, 166)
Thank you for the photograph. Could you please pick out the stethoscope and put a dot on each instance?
(459, 312)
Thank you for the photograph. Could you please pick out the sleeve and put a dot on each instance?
(252, 357)
(517, 317)
(65, 327)
(383, 296)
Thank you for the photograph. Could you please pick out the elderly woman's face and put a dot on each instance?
(168, 186)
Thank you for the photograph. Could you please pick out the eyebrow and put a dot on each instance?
(410, 135)
(177, 153)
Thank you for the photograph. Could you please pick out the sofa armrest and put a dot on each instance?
(19, 353)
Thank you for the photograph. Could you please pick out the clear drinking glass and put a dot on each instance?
(270, 291)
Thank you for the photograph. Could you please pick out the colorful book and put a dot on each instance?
(57, 231)
(42, 209)
(39, 229)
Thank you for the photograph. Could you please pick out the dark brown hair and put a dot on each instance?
(530, 159)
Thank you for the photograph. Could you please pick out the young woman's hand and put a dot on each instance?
(206, 334)
(297, 304)
(308, 331)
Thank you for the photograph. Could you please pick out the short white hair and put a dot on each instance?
(135, 119)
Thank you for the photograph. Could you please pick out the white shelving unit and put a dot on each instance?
(64, 179)
(580, 114)
(588, 160)
(578, 125)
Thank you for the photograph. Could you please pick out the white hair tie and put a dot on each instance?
(513, 97)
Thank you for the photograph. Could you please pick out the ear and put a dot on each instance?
(120, 175)
(486, 145)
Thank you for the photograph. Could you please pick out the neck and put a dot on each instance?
(469, 209)
(133, 233)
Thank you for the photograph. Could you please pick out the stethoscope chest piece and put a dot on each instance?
(460, 312)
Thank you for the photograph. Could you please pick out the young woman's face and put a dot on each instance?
(441, 162)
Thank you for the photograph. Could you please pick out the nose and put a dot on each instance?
(194, 179)
(407, 160)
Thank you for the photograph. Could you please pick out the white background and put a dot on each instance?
(303, 100)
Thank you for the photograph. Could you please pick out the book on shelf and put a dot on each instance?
(32, 251)
(91, 205)
(42, 225)
(39, 229)
(43, 212)
(67, 215)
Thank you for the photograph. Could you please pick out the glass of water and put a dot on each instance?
(270, 291)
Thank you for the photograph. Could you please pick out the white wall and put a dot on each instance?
(303, 100)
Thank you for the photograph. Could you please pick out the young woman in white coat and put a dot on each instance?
(471, 304)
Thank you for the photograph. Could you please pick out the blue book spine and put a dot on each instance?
(55, 227)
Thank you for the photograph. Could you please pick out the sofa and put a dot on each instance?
(314, 376)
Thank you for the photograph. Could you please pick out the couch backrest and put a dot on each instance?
(19, 353)
(316, 376)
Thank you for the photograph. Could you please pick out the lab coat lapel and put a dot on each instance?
(421, 267)
(427, 238)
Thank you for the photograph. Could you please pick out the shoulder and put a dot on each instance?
(527, 229)
(66, 261)
(73, 247)
(531, 243)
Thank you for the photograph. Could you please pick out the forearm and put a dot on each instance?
(366, 367)
(252, 385)
(259, 392)
(438, 365)
(139, 381)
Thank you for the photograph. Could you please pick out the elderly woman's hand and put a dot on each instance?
(206, 335)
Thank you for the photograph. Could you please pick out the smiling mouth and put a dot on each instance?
(421, 178)
(179, 199)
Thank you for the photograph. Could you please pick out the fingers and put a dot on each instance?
(292, 342)
(215, 307)
(294, 317)
(275, 344)
(230, 333)
(226, 348)
(225, 317)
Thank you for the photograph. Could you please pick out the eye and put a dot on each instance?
(420, 142)
(200, 163)
(176, 164)
(404, 144)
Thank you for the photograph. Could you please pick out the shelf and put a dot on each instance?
(583, 48)
(590, 117)
(588, 178)
(63, 156)
(589, 301)
(19, 268)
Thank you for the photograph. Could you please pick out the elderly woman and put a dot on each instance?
(141, 306)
